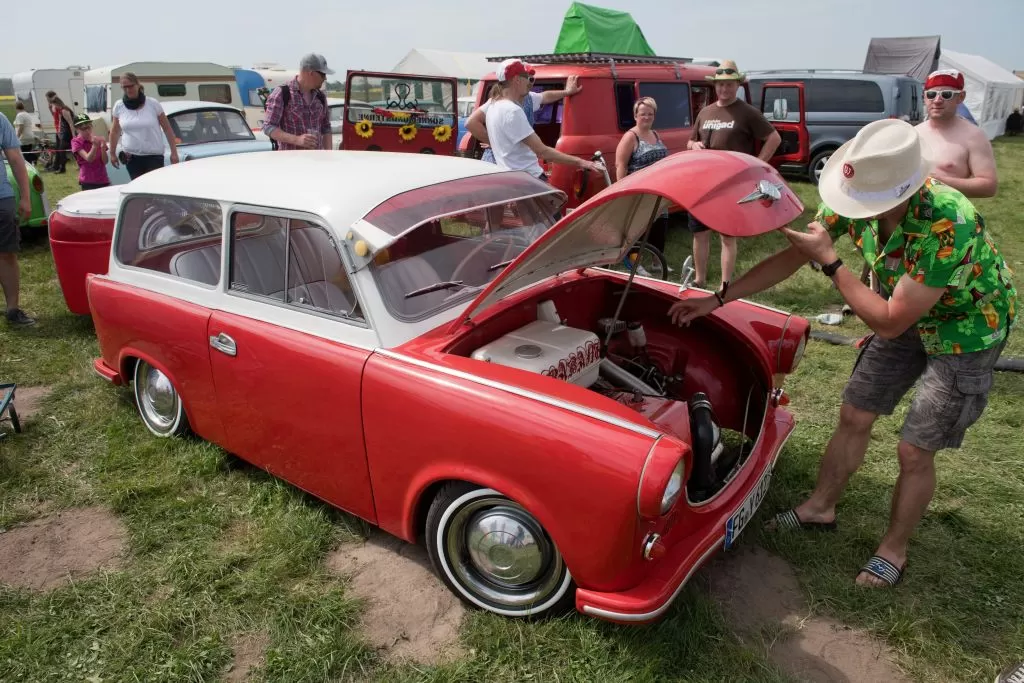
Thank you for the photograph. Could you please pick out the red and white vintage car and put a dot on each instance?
(415, 340)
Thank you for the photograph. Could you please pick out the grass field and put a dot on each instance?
(216, 548)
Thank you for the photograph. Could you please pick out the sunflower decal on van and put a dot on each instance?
(407, 132)
(364, 129)
(443, 133)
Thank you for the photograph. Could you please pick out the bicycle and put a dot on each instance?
(648, 260)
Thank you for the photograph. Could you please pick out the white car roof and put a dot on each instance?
(178, 106)
(340, 186)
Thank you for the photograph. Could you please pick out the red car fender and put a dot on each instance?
(577, 475)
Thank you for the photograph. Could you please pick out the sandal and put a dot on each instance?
(790, 520)
(883, 569)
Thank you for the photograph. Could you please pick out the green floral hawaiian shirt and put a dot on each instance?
(942, 242)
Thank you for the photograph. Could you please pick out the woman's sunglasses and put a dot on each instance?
(946, 94)
(725, 72)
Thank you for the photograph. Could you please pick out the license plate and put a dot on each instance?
(745, 512)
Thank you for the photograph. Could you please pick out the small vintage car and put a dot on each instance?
(202, 129)
(415, 340)
(40, 204)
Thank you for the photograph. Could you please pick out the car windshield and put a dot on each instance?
(456, 237)
(209, 125)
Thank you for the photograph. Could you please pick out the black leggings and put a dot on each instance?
(93, 186)
(659, 230)
(139, 164)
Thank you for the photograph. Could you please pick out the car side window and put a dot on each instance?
(673, 104)
(625, 96)
(291, 262)
(178, 236)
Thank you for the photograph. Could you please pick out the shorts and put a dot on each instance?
(951, 396)
(10, 235)
(694, 225)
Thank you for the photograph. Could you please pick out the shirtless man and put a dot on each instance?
(963, 154)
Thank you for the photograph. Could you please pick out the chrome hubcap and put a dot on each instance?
(819, 167)
(157, 398)
(501, 553)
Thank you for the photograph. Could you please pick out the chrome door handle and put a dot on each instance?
(224, 344)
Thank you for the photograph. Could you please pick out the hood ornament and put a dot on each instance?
(766, 190)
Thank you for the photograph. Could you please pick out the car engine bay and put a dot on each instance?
(645, 371)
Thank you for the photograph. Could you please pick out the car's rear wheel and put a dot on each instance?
(158, 401)
(495, 555)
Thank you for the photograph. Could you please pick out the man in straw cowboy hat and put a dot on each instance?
(951, 305)
(729, 124)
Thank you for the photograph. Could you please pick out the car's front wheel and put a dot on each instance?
(495, 555)
(159, 403)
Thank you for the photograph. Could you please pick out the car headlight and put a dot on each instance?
(799, 353)
(673, 488)
(37, 184)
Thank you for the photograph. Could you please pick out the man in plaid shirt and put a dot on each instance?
(297, 114)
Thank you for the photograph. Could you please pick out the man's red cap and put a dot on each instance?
(945, 78)
(511, 68)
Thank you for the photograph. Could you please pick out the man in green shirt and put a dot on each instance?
(947, 306)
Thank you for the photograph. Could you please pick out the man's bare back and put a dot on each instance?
(963, 155)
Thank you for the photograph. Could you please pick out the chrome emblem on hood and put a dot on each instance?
(765, 190)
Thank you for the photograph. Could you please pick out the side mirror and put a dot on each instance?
(780, 110)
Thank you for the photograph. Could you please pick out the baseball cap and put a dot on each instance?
(511, 68)
(945, 78)
(314, 62)
(82, 120)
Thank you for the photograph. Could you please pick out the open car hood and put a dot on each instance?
(733, 194)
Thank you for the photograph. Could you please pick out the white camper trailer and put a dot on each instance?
(30, 88)
(164, 81)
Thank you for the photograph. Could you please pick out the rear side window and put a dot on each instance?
(178, 236)
(908, 101)
(673, 104)
(215, 92)
(843, 95)
(170, 89)
(289, 261)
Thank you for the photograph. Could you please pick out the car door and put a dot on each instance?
(784, 107)
(393, 112)
(287, 351)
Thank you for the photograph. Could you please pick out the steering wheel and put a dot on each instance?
(514, 240)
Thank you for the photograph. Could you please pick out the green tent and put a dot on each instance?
(594, 29)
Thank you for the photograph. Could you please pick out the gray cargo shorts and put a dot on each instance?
(952, 394)
(10, 236)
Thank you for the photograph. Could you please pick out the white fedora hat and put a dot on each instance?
(875, 171)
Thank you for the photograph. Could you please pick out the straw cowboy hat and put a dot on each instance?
(726, 71)
(875, 171)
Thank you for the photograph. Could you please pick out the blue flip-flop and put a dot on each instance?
(883, 569)
(791, 521)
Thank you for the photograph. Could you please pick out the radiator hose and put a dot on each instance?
(704, 435)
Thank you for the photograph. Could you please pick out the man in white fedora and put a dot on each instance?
(950, 307)
(961, 151)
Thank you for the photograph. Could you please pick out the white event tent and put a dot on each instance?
(468, 67)
(992, 91)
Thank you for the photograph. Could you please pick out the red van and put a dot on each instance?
(596, 117)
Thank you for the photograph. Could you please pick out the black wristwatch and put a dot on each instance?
(831, 269)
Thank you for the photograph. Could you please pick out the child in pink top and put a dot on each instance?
(91, 154)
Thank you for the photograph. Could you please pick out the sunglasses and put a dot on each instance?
(946, 94)
(725, 72)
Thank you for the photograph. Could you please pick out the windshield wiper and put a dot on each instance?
(496, 266)
(437, 286)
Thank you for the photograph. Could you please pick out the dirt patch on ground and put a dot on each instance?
(761, 597)
(409, 613)
(53, 550)
(27, 401)
(248, 649)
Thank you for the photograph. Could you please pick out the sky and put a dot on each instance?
(758, 34)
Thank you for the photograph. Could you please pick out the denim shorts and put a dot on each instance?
(951, 396)
(10, 235)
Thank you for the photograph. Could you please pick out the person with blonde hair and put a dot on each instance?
(144, 126)
(640, 147)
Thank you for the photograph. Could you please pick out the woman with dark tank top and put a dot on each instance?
(640, 147)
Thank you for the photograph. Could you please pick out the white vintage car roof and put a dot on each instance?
(178, 106)
(339, 186)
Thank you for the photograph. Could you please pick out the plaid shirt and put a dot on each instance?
(299, 118)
